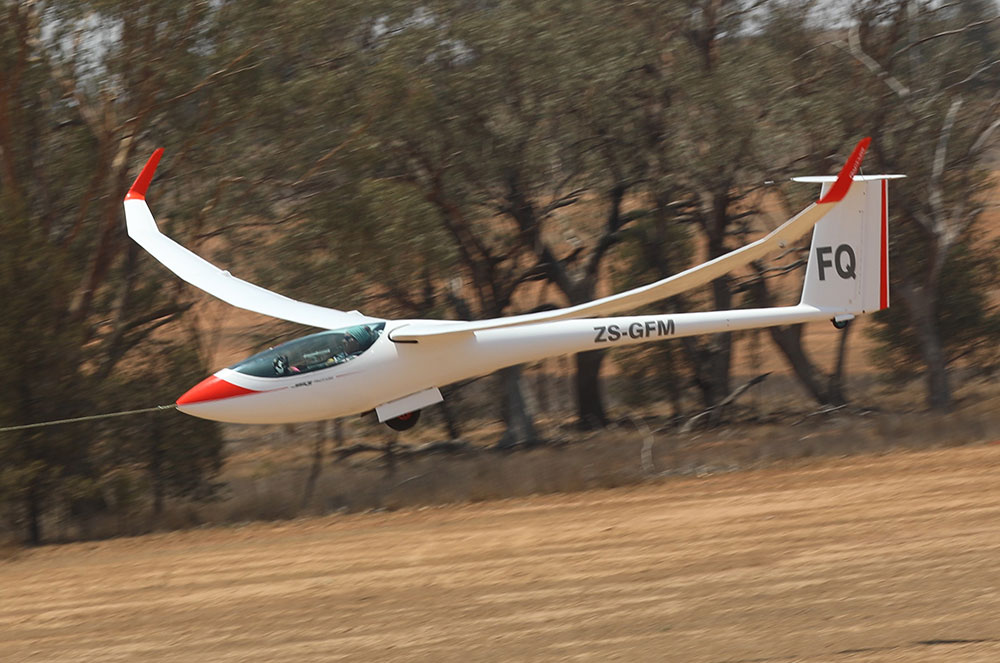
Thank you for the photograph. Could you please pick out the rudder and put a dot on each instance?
(848, 267)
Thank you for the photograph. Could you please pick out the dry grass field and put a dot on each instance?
(891, 557)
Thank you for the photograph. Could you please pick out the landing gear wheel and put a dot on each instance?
(840, 324)
(404, 421)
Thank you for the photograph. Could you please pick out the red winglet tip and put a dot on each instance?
(846, 176)
(141, 184)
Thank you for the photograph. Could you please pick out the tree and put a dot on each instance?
(928, 76)
(81, 85)
(969, 323)
(476, 133)
(178, 457)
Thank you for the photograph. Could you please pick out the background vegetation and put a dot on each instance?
(458, 159)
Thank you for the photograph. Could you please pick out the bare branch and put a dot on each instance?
(945, 33)
(357, 131)
(225, 71)
(565, 200)
(940, 157)
(765, 273)
(244, 224)
(984, 138)
(854, 47)
(971, 77)
(733, 395)
(924, 221)
(748, 9)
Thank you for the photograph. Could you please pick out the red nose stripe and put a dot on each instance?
(212, 389)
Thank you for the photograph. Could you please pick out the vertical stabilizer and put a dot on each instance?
(848, 268)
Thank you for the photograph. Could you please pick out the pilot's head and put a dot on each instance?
(351, 344)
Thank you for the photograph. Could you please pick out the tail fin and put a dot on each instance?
(848, 269)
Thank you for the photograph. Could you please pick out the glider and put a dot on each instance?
(360, 364)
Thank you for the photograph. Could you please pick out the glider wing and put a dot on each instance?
(629, 300)
(199, 272)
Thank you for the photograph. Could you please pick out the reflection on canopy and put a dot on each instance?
(311, 353)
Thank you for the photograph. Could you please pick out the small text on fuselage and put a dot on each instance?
(646, 329)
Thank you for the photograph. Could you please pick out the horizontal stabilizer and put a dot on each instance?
(820, 179)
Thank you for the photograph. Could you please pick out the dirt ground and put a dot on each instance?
(872, 558)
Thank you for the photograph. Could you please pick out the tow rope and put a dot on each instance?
(91, 417)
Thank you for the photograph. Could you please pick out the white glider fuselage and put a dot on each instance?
(390, 370)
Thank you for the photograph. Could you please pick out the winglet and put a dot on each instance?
(138, 190)
(847, 173)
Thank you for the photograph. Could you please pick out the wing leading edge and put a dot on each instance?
(204, 275)
(629, 300)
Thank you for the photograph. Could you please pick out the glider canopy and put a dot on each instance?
(311, 353)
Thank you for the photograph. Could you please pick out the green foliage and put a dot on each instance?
(81, 84)
(43, 379)
(653, 248)
(967, 320)
(175, 456)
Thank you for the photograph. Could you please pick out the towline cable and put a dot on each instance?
(92, 417)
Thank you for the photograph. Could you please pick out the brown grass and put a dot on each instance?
(267, 484)
(10, 548)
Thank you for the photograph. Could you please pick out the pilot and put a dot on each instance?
(348, 346)
(351, 345)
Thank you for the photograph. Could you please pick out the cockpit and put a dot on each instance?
(312, 353)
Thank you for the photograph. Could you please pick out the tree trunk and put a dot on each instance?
(938, 386)
(825, 390)
(155, 470)
(720, 364)
(33, 507)
(389, 455)
(590, 406)
(159, 490)
(338, 433)
(542, 389)
(450, 423)
(836, 382)
(720, 346)
(673, 385)
(564, 387)
(317, 465)
(920, 307)
(520, 427)
(789, 342)
(709, 361)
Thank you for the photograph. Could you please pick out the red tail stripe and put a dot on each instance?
(884, 300)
